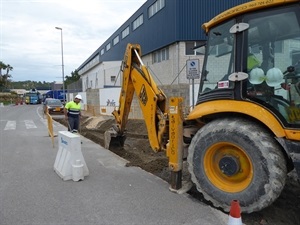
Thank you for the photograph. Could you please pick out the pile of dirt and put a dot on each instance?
(284, 211)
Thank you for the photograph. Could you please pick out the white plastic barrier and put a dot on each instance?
(69, 162)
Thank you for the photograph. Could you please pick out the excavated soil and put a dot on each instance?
(284, 211)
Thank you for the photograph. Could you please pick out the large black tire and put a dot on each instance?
(235, 159)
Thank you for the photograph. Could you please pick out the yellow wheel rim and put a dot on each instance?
(228, 167)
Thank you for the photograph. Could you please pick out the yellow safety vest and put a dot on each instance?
(73, 108)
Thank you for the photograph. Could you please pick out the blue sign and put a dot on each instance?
(192, 69)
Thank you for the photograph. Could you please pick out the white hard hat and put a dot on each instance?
(257, 76)
(78, 97)
(274, 77)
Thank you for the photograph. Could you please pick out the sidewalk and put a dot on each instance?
(115, 194)
(159, 191)
(32, 193)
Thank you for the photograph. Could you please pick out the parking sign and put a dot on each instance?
(192, 69)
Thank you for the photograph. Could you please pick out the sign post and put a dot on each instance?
(192, 72)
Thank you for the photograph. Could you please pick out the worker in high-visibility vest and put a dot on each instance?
(72, 113)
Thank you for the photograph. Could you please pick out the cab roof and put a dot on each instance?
(243, 8)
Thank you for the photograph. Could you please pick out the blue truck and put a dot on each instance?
(33, 97)
(57, 94)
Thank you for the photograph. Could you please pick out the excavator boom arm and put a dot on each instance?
(165, 129)
(152, 100)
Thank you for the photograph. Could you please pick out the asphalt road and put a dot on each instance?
(31, 193)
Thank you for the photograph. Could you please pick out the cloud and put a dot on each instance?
(30, 43)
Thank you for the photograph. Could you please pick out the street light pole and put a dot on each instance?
(62, 62)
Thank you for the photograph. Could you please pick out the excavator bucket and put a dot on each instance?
(113, 139)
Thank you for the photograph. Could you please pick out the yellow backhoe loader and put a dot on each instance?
(242, 137)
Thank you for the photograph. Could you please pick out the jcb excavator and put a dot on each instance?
(243, 136)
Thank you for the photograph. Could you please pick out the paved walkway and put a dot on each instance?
(32, 193)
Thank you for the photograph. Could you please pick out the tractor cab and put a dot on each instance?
(255, 57)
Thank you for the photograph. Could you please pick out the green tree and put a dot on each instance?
(74, 77)
(4, 78)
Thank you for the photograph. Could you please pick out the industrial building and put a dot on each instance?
(168, 32)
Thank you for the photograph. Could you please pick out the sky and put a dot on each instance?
(30, 43)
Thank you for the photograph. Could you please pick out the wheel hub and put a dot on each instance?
(229, 165)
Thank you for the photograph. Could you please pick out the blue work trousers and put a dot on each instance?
(73, 123)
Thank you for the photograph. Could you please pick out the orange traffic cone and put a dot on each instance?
(235, 213)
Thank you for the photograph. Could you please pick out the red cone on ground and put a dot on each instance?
(235, 213)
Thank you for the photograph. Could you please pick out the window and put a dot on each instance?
(96, 84)
(125, 32)
(107, 46)
(155, 7)
(273, 42)
(102, 51)
(295, 56)
(138, 22)
(190, 47)
(116, 40)
(87, 83)
(112, 78)
(163, 54)
(278, 48)
(160, 55)
(218, 64)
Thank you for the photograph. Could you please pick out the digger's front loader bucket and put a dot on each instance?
(113, 139)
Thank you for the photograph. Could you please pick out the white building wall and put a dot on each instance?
(102, 75)
(167, 72)
(172, 71)
(109, 99)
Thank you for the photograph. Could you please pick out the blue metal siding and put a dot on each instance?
(179, 20)
(151, 35)
(192, 14)
(189, 20)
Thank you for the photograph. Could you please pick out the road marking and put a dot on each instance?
(10, 125)
(29, 124)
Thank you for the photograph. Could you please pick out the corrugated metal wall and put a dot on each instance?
(179, 20)
(192, 14)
